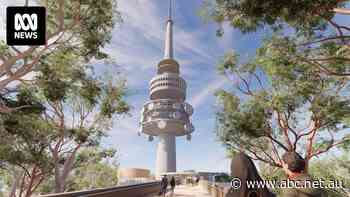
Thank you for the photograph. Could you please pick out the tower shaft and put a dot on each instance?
(166, 154)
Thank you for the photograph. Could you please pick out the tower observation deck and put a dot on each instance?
(167, 115)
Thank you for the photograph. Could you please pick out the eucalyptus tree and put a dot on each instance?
(71, 110)
(67, 107)
(95, 167)
(81, 107)
(333, 171)
(24, 141)
(280, 106)
(83, 25)
(293, 95)
(316, 28)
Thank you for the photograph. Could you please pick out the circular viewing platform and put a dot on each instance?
(166, 116)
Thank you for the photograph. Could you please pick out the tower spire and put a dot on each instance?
(168, 49)
(170, 14)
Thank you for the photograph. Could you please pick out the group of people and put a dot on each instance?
(164, 185)
(165, 182)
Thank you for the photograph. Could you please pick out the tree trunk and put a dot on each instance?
(306, 170)
(58, 181)
(17, 177)
(62, 175)
(59, 184)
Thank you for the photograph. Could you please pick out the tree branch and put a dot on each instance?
(311, 140)
(285, 131)
(330, 146)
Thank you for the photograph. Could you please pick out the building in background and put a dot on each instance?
(128, 176)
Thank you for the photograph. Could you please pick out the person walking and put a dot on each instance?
(163, 186)
(197, 180)
(172, 185)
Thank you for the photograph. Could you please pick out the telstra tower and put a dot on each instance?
(167, 115)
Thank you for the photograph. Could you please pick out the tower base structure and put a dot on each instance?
(166, 154)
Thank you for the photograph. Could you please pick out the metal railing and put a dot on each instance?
(136, 190)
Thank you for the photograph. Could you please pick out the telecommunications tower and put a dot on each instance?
(167, 115)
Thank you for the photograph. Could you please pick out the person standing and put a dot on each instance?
(294, 166)
(172, 185)
(243, 169)
(163, 186)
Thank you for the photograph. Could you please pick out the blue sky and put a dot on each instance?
(137, 45)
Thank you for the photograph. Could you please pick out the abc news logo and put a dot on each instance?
(32, 22)
(26, 26)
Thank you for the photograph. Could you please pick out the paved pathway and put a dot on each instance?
(188, 191)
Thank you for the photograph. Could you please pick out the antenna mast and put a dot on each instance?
(168, 50)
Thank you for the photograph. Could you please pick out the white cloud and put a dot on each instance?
(128, 125)
(209, 90)
(139, 40)
(137, 45)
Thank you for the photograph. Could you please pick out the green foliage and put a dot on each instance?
(80, 28)
(223, 178)
(4, 49)
(97, 175)
(333, 170)
(97, 169)
(24, 134)
(94, 168)
(64, 105)
(82, 111)
(3, 183)
(249, 15)
(54, 82)
(90, 33)
(293, 95)
(274, 174)
(230, 59)
(112, 101)
(278, 97)
(249, 117)
(305, 32)
(327, 169)
(28, 135)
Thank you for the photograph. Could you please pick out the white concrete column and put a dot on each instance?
(166, 154)
(169, 51)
